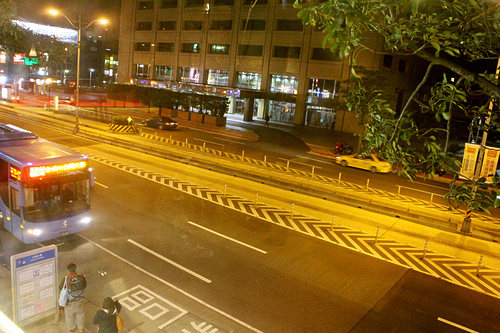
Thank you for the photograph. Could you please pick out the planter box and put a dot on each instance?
(215, 121)
(166, 112)
(183, 115)
(197, 117)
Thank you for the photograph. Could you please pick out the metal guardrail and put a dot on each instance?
(333, 181)
(415, 190)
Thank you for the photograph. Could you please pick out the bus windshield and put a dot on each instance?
(56, 198)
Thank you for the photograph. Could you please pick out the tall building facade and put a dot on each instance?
(256, 52)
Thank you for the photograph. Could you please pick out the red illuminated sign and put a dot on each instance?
(18, 58)
(15, 173)
(48, 170)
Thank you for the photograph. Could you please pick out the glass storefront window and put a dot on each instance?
(249, 80)
(142, 70)
(322, 88)
(320, 117)
(164, 73)
(281, 111)
(218, 77)
(189, 74)
(284, 84)
(240, 106)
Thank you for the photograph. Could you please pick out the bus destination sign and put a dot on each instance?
(15, 173)
(49, 170)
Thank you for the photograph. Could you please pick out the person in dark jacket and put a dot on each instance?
(105, 317)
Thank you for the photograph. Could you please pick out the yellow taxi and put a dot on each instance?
(369, 162)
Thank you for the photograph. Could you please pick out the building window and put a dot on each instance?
(144, 5)
(195, 3)
(284, 84)
(289, 25)
(189, 74)
(218, 77)
(166, 25)
(251, 2)
(142, 46)
(402, 66)
(192, 25)
(322, 88)
(221, 25)
(141, 70)
(190, 47)
(250, 50)
(165, 47)
(249, 80)
(218, 48)
(281, 111)
(321, 117)
(323, 54)
(292, 52)
(253, 24)
(144, 26)
(164, 73)
(387, 61)
(168, 4)
(223, 2)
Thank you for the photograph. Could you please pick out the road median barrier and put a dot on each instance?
(128, 129)
(299, 182)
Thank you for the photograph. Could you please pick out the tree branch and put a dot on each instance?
(413, 94)
(448, 125)
(468, 75)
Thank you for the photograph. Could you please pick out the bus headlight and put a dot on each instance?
(85, 220)
(35, 232)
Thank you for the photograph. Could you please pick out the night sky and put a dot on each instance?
(37, 11)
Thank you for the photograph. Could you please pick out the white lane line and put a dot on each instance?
(237, 142)
(168, 284)
(170, 261)
(315, 160)
(226, 237)
(424, 184)
(100, 184)
(456, 325)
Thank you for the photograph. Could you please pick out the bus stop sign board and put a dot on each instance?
(34, 285)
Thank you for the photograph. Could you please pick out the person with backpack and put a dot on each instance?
(105, 317)
(74, 310)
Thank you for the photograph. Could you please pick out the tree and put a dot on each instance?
(449, 34)
(12, 37)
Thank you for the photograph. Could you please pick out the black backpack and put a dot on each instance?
(75, 287)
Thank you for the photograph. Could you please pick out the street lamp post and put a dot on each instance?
(79, 27)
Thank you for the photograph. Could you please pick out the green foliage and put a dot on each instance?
(218, 106)
(445, 33)
(472, 195)
(14, 38)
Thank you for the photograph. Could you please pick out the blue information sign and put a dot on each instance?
(32, 259)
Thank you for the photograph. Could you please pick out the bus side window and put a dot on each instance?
(14, 203)
(30, 196)
(4, 181)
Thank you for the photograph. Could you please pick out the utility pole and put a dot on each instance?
(466, 225)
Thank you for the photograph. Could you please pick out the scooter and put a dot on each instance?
(343, 148)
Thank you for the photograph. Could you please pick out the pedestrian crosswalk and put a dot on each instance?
(481, 278)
